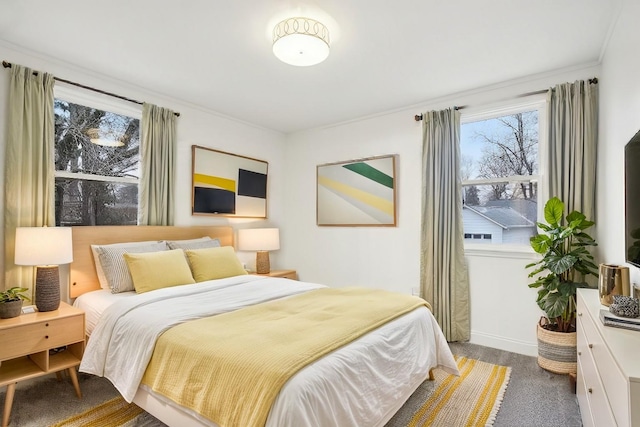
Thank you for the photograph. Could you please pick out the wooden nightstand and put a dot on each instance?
(287, 274)
(26, 341)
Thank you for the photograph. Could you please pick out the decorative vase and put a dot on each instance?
(614, 280)
(557, 350)
(10, 309)
(625, 306)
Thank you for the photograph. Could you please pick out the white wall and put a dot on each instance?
(504, 312)
(619, 121)
(195, 126)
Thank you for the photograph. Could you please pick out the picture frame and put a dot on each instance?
(357, 193)
(227, 184)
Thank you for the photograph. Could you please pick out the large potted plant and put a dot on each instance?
(11, 302)
(567, 261)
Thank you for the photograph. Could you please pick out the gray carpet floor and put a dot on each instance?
(534, 397)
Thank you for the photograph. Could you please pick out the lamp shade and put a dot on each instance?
(259, 239)
(301, 41)
(43, 246)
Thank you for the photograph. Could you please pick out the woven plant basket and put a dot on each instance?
(556, 350)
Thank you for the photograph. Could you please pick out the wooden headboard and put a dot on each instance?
(82, 272)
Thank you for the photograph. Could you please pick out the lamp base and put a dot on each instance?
(262, 262)
(47, 288)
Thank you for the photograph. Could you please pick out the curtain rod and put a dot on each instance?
(418, 117)
(6, 64)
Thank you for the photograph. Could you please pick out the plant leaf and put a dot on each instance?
(576, 216)
(537, 271)
(554, 304)
(567, 288)
(545, 227)
(558, 264)
(540, 243)
(553, 211)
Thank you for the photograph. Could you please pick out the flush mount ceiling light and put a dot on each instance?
(301, 41)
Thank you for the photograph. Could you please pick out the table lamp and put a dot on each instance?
(261, 240)
(45, 248)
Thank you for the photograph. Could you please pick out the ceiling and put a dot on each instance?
(384, 55)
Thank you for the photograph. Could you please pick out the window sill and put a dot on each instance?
(500, 251)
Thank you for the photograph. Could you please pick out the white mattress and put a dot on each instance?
(94, 303)
(397, 358)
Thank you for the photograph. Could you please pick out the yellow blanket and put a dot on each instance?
(231, 367)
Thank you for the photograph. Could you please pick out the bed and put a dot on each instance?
(361, 382)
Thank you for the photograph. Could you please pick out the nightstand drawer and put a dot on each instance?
(30, 338)
(285, 274)
(292, 275)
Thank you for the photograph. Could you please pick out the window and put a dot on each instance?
(476, 237)
(97, 153)
(500, 169)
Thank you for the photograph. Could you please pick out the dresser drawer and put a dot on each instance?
(33, 337)
(583, 399)
(615, 383)
(590, 384)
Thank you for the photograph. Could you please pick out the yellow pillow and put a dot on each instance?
(155, 270)
(214, 263)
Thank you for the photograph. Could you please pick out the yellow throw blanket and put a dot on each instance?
(231, 367)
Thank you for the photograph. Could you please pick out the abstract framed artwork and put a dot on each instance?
(357, 192)
(228, 184)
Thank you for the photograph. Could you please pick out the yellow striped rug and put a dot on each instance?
(112, 413)
(470, 400)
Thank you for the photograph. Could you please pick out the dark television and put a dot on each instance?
(632, 200)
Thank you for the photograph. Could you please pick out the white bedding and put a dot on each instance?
(95, 303)
(321, 394)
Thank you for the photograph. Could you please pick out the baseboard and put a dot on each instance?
(503, 343)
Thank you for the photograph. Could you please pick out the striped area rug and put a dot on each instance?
(112, 413)
(470, 400)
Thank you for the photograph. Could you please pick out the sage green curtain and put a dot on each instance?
(444, 278)
(573, 138)
(29, 163)
(157, 161)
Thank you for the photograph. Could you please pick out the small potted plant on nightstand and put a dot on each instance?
(11, 302)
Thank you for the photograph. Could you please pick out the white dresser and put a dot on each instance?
(608, 386)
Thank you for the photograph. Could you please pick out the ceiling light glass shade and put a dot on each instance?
(301, 41)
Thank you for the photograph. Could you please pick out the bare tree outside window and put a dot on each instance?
(97, 166)
(499, 170)
(510, 150)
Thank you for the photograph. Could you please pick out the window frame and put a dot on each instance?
(89, 99)
(499, 109)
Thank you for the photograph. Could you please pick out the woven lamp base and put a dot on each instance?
(47, 288)
(263, 265)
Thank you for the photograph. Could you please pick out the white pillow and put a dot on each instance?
(203, 243)
(104, 283)
(199, 239)
(115, 267)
